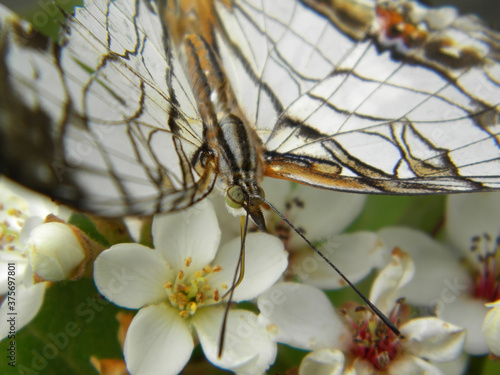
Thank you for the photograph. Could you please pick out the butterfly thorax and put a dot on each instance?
(228, 133)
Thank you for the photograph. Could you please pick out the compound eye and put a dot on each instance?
(235, 197)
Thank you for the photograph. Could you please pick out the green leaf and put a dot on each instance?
(75, 322)
(86, 225)
(423, 212)
(46, 16)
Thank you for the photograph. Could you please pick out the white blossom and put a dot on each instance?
(357, 342)
(19, 210)
(178, 287)
(457, 279)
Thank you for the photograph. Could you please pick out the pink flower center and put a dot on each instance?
(487, 286)
(372, 340)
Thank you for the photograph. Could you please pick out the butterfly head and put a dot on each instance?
(249, 199)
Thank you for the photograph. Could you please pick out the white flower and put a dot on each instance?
(30, 233)
(457, 291)
(178, 288)
(358, 342)
(320, 214)
(19, 210)
(473, 227)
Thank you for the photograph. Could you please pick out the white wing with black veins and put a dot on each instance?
(354, 95)
(396, 97)
(104, 120)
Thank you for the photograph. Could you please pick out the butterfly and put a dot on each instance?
(143, 107)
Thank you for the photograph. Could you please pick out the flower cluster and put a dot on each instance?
(441, 297)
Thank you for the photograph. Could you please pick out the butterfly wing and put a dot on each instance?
(348, 98)
(362, 97)
(104, 120)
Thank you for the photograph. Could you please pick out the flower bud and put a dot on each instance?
(55, 250)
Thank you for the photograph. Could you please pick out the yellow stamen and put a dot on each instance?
(192, 306)
(272, 328)
(224, 285)
(191, 290)
(181, 300)
(200, 297)
(198, 274)
(13, 212)
(181, 287)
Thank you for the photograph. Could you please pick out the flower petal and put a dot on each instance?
(21, 265)
(321, 213)
(323, 362)
(265, 262)
(131, 275)
(301, 316)
(438, 274)
(247, 345)
(355, 254)
(434, 339)
(158, 341)
(359, 367)
(410, 365)
(469, 215)
(491, 327)
(39, 205)
(458, 366)
(385, 288)
(193, 233)
(13, 206)
(468, 313)
(29, 299)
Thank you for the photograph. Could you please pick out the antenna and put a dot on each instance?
(374, 308)
(238, 277)
(239, 273)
